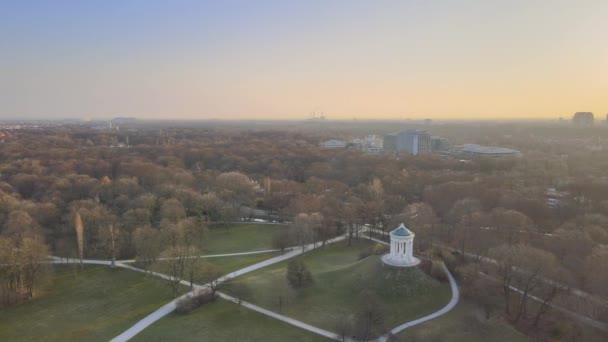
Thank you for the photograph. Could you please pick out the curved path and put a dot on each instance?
(283, 318)
(294, 251)
(452, 303)
(168, 308)
(443, 311)
(130, 261)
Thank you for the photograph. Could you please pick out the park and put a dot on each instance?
(101, 302)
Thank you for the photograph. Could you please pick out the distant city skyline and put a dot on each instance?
(287, 59)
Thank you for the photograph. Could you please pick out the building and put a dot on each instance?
(414, 142)
(369, 144)
(555, 198)
(389, 142)
(401, 248)
(411, 141)
(333, 144)
(476, 151)
(583, 119)
(439, 144)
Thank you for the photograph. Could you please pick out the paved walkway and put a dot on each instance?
(168, 308)
(283, 318)
(60, 260)
(293, 252)
(130, 261)
(443, 311)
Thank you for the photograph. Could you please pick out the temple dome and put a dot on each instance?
(401, 231)
(401, 248)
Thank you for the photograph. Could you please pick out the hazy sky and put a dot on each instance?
(286, 59)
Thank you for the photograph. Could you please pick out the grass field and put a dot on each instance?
(237, 238)
(464, 323)
(340, 279)
(223, 321)
(91, 305)
(232, 263)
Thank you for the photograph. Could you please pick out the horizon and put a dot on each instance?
(271, 60)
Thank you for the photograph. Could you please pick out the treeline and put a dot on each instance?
(164, 190)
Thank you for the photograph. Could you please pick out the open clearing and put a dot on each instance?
(223, 321)
(232, 263)
(95, 304)
(236, 238)
(341, 280)
(465, 323)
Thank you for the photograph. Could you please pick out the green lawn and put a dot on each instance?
(238, 238)
(231, 264)
(223, 321)
(95, 304)
(340, 278)
(464, 323)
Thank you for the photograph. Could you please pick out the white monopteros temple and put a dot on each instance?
(402, 247)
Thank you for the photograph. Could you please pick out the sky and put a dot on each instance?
(376, 59)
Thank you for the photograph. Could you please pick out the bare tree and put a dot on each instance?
(110, 237)
(211, 275)
(173, 261)
(148, 244)
(281, 240)
(79, 236)
(302, 229)
(369, 317)
(523, 270)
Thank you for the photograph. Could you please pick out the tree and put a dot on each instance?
(172, 210)
(514, 225)
(21, 263)
(302, 229)
(281, 240)
(173, 262)
(111, 239)
(422, 218)
(596, 270)
(211, 275)
(298, 275)
(241, 291)
(344, 328)
(20, 225)
(369, 317)
(461, 216)
(236, 189)
(33, 253)
(79, 236)
(523, 269)
(195, 267)
(350, 215)
(148, 243)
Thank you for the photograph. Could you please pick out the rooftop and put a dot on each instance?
(474, 148)
(401, 231)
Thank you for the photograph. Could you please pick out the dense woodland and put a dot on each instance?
(72, 191)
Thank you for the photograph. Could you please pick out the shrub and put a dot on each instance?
(437, 271)
(187, 304)
(298, 275)
(380, 249)
(425, 266)
(450, 261)
(365, 253)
